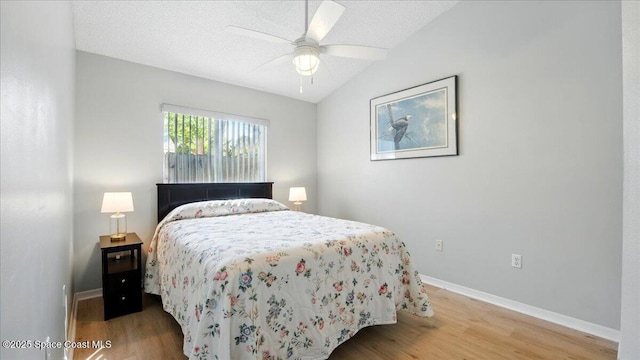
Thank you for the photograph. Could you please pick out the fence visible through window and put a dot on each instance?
(208, 149)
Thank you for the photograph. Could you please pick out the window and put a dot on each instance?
(205, 146)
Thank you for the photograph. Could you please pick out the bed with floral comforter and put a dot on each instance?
(249, 279)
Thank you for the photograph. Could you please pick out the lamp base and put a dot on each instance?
(118, 227)
(118, 237)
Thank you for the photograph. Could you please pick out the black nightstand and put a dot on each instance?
(121, 275)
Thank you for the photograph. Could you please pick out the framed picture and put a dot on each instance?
(416, 122)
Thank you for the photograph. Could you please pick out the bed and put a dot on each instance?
(246, 278)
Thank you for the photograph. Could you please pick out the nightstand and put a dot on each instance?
(121, 275)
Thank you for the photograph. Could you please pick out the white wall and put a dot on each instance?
(37, 60)
(630, 317)
(540, 165)
(118, 143)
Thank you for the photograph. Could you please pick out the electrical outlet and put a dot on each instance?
(516, 261)
(438, 245)
(66, 310)
(47, 349)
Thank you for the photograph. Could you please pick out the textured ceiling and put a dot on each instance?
(189, 37)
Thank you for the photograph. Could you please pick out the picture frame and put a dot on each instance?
(416, 122)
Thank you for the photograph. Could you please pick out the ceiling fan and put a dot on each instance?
(307, 48)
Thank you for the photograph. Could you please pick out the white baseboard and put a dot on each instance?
(77, 297)
(566, 321)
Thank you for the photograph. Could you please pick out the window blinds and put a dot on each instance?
(207, 146)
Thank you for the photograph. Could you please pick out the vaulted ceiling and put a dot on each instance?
(189, 37)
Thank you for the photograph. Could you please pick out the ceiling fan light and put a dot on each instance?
(306, 60)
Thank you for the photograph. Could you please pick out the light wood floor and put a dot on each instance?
(462, 328)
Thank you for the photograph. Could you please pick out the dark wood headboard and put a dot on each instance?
(170, 196)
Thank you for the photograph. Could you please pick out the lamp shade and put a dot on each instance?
(114, 202)
(297, 194)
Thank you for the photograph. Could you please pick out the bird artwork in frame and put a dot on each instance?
(417, 122)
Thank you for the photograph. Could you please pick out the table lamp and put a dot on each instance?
(297, 195)
(117, 203)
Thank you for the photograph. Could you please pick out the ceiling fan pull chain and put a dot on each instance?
(300, 84)
(311, 80)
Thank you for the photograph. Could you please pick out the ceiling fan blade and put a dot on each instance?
(355, 51)
(277, 61)
(324, 19)
(255, 34)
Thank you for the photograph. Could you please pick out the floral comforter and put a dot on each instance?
(248, 279)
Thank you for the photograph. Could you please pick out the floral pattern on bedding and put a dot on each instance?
(246, 280)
